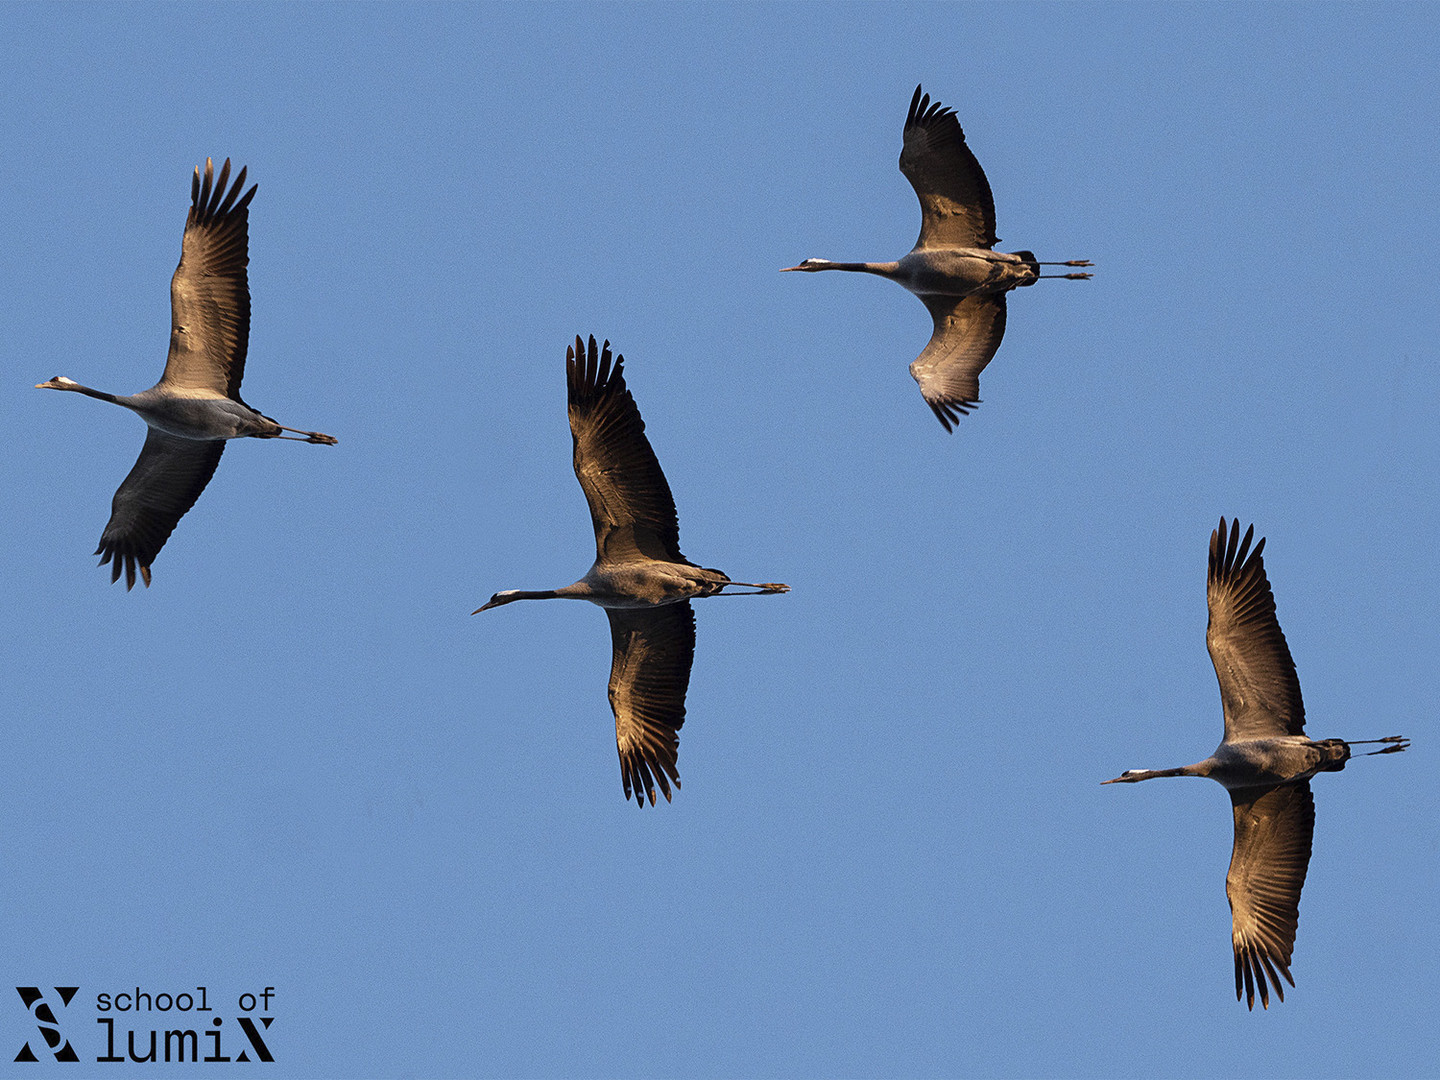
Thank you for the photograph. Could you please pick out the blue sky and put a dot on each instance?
(296, 761)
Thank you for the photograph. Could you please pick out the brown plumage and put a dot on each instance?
(951, 268)
(196, 405)
(640, 577)
(1265, 762)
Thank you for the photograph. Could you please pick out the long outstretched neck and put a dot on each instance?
(884, 269)
(62, 383)
(1132, 776)
(578, 591)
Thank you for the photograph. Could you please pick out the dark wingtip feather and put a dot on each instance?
(640, 777)
(121, 559)
(914, 107)
(1256, 970)
(641, 773)
(949, 412)
(1231, 556)
(925, 113)
(593, 372)
(210, 198)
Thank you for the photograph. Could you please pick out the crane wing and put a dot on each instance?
(210, 294)
(650, 672)
(168, 477)
(1267, 871)
(1258, 685)
(956, 207)
(967, 334)
(630, 502)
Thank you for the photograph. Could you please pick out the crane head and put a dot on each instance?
(59, 382)
(499, 598)
(1129, 776)
(810, 265)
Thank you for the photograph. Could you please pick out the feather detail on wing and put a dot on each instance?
(168, 477)
(210, 294)
(1267, 871)
(630, 502)
(956, 207)
(1258, 684)
(654, 649)
(967, 334)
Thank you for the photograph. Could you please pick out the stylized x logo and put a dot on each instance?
(45, 1019)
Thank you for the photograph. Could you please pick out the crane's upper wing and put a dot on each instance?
(630, 502)
(967, 333)
(654, 648)
(167, 478)
(956, 207)
(1267, 871)
(210, 294)
(1258, 685)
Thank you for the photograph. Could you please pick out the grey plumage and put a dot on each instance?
(951, 268)
(640, 577)
(1265, 761)
(196, 405)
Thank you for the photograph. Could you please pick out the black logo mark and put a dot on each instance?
(45, 1019)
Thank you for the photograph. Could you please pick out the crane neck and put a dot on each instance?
(68, 384)
(1200, 768)
(578, 591)
(883, 269)
(1134, 776)
(568, 592)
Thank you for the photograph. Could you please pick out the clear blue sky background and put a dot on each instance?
(298, 762)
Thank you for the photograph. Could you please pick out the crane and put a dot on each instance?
(952, 268)
(1265, 762)
(639, 577)
(196, 405)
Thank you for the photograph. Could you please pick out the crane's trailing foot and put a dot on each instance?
(1068, 262)
(762, 587)
(1399, 742)
(310, 436)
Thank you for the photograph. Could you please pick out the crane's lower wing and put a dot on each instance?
(167, 478)
(1273, 831)
(650, 672)
(967, 334)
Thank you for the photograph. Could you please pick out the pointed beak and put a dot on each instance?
(485, 606)
(785, 268)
